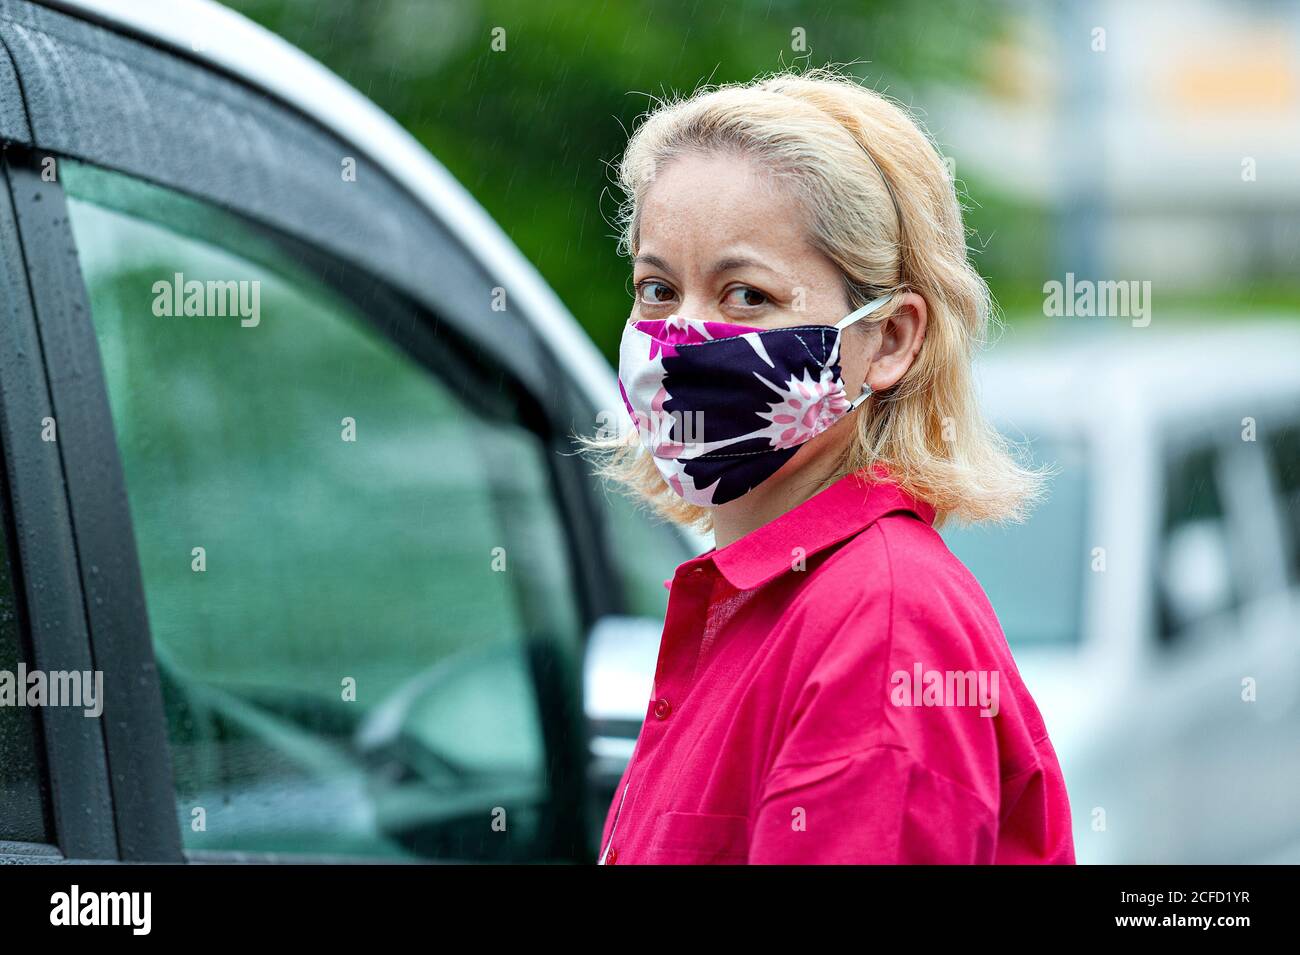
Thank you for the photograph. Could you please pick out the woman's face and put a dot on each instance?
(721, 240)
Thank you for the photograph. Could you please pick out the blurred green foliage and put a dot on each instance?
(532, 130)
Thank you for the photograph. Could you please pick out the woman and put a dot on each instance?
(832, 684)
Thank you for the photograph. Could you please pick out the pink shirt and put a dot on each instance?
(835, 688)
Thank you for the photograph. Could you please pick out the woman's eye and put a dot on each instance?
(746, 297)
(656, 293)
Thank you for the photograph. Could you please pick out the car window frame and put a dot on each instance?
(89, 393)
(47, 581)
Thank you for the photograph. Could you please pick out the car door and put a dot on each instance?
(1219, 740)
(336, 566)
(623, 648)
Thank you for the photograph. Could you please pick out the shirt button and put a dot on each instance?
(662, 709)
(612, 857)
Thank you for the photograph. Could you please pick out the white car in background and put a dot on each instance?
(1152, 602)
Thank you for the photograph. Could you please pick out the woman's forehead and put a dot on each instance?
(723, 210)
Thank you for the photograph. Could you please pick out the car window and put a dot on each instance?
(1284, 457)
(1196, 566)
(1033, 573)
(647, 550)
(347, 559)
(24, 814)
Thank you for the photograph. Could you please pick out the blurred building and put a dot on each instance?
(1161, 138)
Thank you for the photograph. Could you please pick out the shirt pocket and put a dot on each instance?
(699, 838)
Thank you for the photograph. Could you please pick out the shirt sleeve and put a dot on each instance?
(878, 806)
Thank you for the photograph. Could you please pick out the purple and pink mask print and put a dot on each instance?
(722, 407)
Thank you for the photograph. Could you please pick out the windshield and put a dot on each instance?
(1033, 573)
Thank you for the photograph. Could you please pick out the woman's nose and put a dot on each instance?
(697, 309)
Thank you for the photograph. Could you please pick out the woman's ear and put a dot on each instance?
(901, 336)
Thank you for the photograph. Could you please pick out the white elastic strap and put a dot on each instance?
(866, 393)
(864, 311)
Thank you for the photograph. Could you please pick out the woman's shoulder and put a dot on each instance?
(899, 647)
(898, 576)
(898, 555)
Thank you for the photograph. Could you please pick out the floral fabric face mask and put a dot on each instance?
(722, 407)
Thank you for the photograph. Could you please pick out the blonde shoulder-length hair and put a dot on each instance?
(883, 208)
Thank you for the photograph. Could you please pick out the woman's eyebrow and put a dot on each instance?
(653, 261)
(729, 264)
(732, 263)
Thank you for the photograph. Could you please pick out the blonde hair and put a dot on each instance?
(883, 208)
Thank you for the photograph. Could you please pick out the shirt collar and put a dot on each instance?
(847, 507)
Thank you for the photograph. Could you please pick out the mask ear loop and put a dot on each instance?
(874, 305)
